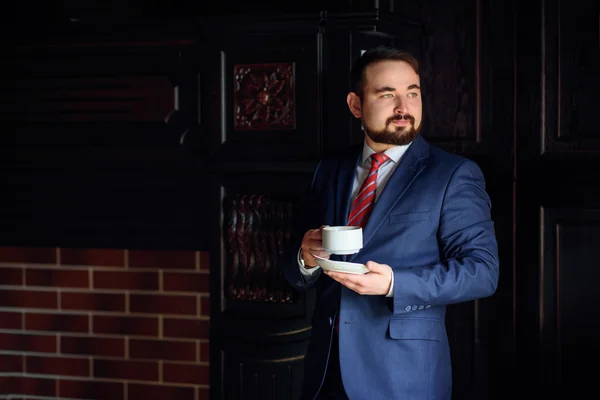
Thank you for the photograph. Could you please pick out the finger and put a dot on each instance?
(319, 253)
(315, 234)
(376, 267)
(313, 244)
(339, 276)
(313, 247)
(347, 281)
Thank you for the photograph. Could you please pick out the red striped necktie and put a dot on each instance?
(363, 203)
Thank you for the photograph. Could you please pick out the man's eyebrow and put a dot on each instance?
(414, 86)
(384, 89)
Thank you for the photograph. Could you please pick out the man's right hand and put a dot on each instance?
(312, 243)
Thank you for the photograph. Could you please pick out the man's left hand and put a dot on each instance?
(375, 282)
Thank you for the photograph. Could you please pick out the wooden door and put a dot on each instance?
(558, 196)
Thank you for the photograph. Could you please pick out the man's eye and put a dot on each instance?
(387, 96)
(412, 94)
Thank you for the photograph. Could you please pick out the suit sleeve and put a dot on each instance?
(304, 220)
(469, 265)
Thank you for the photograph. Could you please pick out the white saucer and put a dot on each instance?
(341, 266)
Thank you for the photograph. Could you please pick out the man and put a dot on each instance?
(428, 242)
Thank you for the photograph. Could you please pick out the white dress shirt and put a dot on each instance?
(383, 175)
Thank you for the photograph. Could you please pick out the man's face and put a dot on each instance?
(391, 109)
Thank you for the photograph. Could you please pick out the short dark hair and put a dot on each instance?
(376, 54)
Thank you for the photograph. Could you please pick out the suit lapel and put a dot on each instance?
(411, 165)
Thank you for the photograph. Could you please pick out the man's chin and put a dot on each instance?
(403, 135)
(394, 135)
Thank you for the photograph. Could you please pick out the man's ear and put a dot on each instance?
(354, 104)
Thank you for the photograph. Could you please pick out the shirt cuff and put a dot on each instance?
(305, 271)
(391, 292)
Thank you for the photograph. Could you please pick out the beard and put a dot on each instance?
(400, 136)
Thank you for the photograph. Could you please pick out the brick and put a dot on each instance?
(95, 257)
(125, 325)
(205, 306)
(120, 369)
(92, 301)
(203, 394)
(57, 278)
(162, 350)
(28, 255)
(96, 389)
(204, 352)
(186, 373)
(185, 328)
(173, 259)
(126, 280)
(58, 366)
(195, 282)
(29, 343)
(28, 386)
(204, 261)
(28, 299)
(11, 320)
(11, 276)
(99, 346)
(10, 363)
(137, 391)
(162, 304)
(57, 322)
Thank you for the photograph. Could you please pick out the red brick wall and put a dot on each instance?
(104, 323)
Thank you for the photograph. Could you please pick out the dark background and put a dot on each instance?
(94, 153)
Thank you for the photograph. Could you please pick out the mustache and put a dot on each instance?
(399, 117)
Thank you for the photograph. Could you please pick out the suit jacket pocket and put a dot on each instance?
(416, 328)
(410, 217)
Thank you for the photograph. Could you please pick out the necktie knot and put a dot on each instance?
(378, 159)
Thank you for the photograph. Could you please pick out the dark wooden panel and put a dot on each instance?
(283, 119)
(570, 65)
(91, 99)
(452, 49)
(273, 373)
(568, 321)
(557, 60)
(256, 331)
(77, 95)
(258, 211)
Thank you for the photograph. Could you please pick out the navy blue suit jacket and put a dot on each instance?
(432, 225)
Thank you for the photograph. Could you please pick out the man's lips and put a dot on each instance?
(400, 122)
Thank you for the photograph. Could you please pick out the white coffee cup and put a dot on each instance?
(342, 239)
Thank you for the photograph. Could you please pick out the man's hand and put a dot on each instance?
(312, 243)
(375, 282)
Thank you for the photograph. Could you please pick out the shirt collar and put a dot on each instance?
(394, 153)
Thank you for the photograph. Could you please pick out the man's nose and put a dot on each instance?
(400, 107)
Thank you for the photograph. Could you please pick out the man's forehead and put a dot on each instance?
(392, 81)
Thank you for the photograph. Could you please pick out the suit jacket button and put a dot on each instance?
(421, 307)
(414, 308)
(428, 306)
(407, 308)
